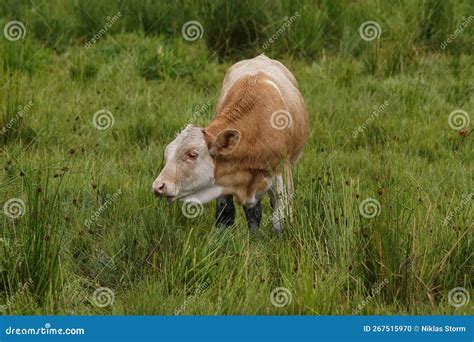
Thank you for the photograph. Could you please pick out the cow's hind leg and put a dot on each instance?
(290, 191)
(225, 211)
(254, 216)
(277, 201)
(281, 198)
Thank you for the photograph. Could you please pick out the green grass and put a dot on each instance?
(147, 252)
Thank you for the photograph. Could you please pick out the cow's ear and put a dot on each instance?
(225, 142)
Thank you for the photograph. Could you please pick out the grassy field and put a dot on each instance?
(81, 232)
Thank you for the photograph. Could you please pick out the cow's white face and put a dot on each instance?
(189, 167)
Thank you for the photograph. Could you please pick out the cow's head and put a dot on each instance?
(190, 162)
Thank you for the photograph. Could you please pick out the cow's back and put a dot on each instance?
(271, 111)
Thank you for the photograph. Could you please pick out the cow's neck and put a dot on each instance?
(246, 184)
(237, 173)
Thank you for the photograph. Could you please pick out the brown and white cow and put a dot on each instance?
(258, 133)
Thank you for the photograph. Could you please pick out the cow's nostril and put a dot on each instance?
(159, 188)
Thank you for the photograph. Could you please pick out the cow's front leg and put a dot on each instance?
(253, 216)
(225, 211)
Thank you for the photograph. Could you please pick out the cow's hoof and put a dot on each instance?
(253, 216)
(225, 211)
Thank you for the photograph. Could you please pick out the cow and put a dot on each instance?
(258, 133)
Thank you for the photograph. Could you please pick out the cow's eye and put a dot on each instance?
(190, 155)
